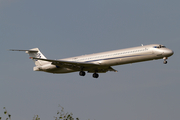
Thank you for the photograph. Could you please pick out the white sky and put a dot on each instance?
(66, 28)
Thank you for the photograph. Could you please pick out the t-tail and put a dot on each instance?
(35, 52)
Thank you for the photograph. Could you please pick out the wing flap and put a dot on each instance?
(112, 69)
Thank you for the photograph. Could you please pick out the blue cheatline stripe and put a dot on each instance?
(115, 58)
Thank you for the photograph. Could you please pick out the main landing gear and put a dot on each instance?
(95, 75)
(82, 73)
(165, 58)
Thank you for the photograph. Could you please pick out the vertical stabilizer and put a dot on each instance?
(35, 52)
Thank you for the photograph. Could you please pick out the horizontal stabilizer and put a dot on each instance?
(23, 50)
(34, 52)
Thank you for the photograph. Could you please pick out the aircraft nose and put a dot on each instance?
(169, 52)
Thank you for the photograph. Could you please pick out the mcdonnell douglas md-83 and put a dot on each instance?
(98, 62)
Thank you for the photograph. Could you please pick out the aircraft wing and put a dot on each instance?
(63, 62)
(90, 67)
(112, 69)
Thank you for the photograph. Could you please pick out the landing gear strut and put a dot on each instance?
(82, 73)
(95, 75)
(165, 58)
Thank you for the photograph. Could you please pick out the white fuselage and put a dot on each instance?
(112, 58)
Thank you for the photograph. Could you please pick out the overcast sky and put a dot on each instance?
(67, 28)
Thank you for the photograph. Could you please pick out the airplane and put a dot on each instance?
(98, 62)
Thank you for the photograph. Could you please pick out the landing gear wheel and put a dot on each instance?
(82, 73)
(165, 58)
(165, 62)
(95, 75)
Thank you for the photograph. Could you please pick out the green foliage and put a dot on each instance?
(62, 115)
(6, 113)
(36, 117)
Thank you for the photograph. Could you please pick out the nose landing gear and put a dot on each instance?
(165, 62)
(165, 58)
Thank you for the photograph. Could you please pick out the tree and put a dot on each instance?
(62, 115)
(6, 113)
(36, 117)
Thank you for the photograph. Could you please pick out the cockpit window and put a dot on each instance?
(160, 46)
(157, 46)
